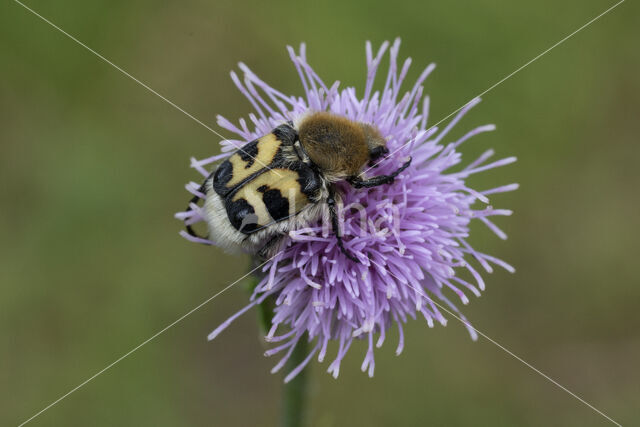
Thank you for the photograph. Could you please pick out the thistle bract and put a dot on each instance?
(411, 236)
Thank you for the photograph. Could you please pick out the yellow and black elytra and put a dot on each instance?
(282, 181)
(266, 194)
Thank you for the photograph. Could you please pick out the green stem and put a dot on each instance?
(294, 393)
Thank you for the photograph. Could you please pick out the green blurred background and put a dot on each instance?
(93, 168)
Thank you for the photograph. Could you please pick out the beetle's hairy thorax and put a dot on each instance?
(335, 144)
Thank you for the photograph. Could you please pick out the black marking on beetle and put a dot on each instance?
(238, 211)
(222, 175)
(248, 153)
(277, 205)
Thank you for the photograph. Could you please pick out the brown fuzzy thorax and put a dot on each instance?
(335, 144)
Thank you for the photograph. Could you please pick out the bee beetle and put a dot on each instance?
(283, 180)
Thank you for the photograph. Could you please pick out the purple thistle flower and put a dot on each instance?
(410, 235)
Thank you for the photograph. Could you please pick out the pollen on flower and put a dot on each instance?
(412, 244)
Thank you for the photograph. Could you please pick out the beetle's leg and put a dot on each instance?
(270, 248)
(358, 182)
(331, 202)
(195, 199)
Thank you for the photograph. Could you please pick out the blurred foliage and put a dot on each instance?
(93, 165)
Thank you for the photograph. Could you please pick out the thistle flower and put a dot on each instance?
(411, 235)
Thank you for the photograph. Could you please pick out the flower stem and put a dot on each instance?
(294, 393)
